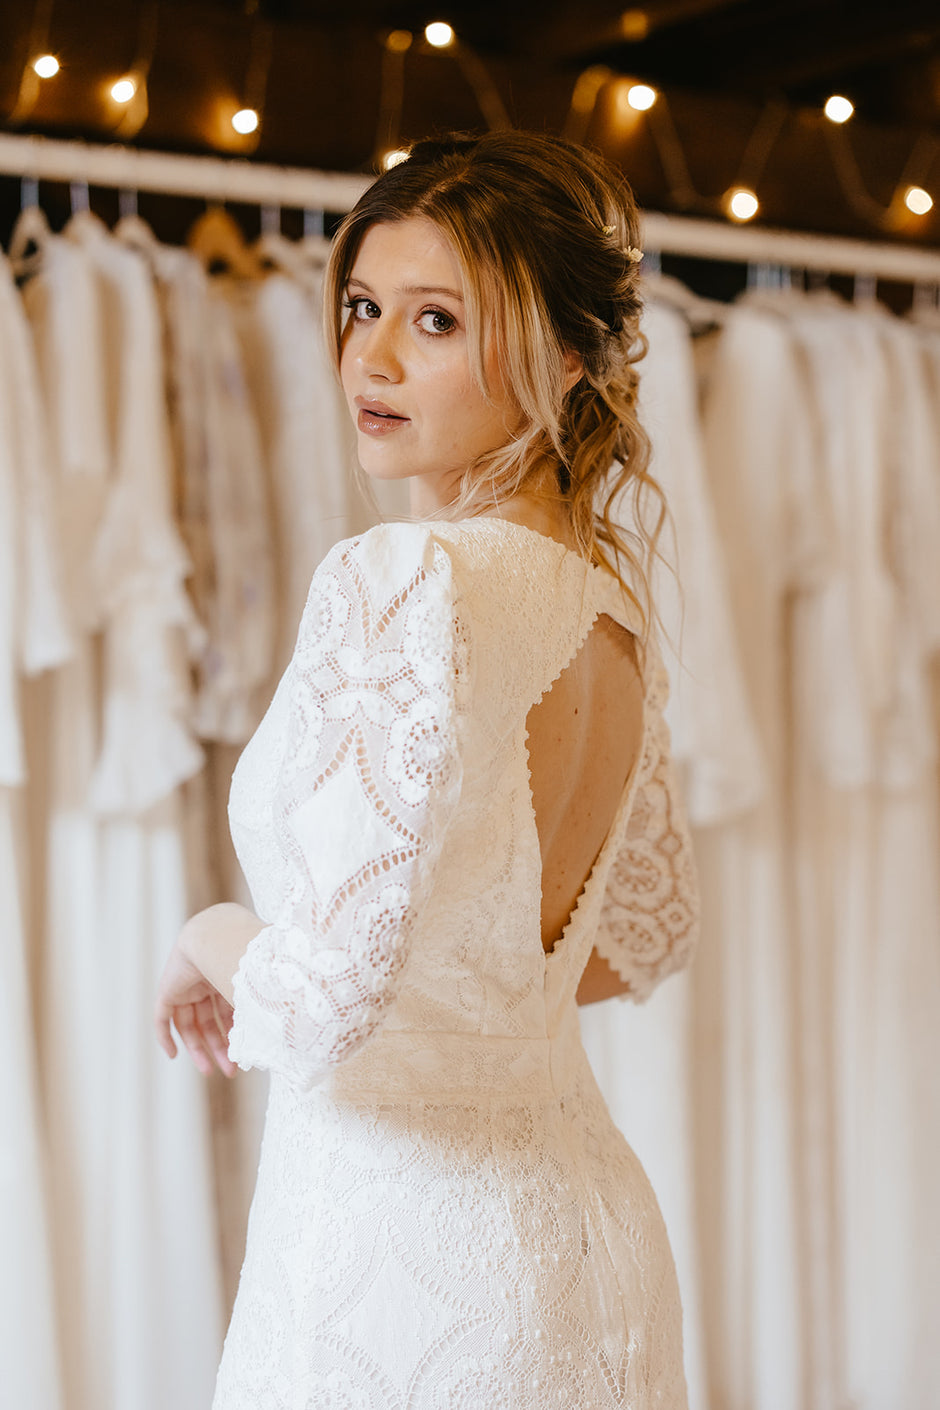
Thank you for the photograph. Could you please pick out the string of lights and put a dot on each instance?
(643, 102)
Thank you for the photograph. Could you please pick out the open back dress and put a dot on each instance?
(445, 1216)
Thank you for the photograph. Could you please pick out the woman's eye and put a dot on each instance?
(435, 320)
(363, 308)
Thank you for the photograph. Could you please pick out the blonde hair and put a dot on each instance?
(543, 231)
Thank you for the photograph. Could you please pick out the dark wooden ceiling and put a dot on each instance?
(743, 81)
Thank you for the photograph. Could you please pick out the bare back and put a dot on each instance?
(584, 736)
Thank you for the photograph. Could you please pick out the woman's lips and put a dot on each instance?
(379, 423)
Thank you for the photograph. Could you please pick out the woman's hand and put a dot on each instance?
(196, 987)
(201, 1015)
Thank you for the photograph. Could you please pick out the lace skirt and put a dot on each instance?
(453, 1250)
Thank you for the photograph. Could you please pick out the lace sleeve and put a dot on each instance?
(650, 914)
(368, 781)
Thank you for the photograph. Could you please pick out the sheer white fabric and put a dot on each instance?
(133, 1236)
(445, 1214)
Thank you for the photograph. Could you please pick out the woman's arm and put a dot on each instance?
(215, 940)
(599, 981)
(196, 990)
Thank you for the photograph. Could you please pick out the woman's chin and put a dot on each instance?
(382, 470)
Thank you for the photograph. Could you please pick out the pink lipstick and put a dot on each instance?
(377, 419)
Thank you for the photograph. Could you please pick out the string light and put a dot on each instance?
(398, 41)
(439, 34)
(123, 90)
(641, 97)
(245, 121)
(838, 109)
(634, 25)
(917, 200)
(394, 158)
(46, 66)
(741, 203)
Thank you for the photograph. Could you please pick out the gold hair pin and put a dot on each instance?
(632, 253)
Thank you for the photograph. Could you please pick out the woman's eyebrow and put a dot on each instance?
(412, 288)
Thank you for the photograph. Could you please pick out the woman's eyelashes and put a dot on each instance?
(436, 322)
(358, 307)
(441, 322)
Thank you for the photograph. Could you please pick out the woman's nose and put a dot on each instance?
(379, 354)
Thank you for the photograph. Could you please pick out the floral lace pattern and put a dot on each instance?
(649, 919)
(368, 776)
(445, 1215)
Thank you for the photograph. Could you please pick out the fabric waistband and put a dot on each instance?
(457, 1065)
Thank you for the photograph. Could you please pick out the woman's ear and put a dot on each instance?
(574, 368)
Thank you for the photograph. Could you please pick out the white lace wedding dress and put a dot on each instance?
(445, 1217)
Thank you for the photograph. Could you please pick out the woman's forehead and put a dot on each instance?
(413, 252)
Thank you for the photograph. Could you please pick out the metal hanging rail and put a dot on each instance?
(211, 178)
(257, 183)
(743, 244)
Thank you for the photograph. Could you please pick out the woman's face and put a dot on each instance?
(405, 365)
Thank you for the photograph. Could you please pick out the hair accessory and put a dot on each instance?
(632, 253)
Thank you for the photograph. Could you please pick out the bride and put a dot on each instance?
(458, 819)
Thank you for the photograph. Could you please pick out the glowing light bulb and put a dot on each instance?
(394, 158)
(439, 34)
(634, 25)
(741, 203)
(917, 200)
(124, 90)
(397, 41)
(245, 121)
(838, 109)
(46, 66)
(641, 97)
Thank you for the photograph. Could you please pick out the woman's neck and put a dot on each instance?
(538, 507)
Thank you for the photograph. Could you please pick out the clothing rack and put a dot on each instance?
(266, 185)
(789, 249)
(210, 178)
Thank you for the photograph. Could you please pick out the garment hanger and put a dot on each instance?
(272, 249)
(701, 313)
(127, 204)
(865, 290)
(79, 197)
(925, 306)
(32, 229)
(315, 245)
(83, 224)
(217, 239)
(651, 266)
(131, 229)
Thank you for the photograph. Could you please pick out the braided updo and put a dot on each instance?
(546, 236)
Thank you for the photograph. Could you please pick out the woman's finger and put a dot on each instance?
(185, 1019)
(212, 1035)
(224, 1013)
(161, 1023)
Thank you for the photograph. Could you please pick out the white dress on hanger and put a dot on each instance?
(136, 1266)
(716, 749)
(306, 434)
(772, 520)
(33, 636)
(897, 1112)
(445, 1215)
